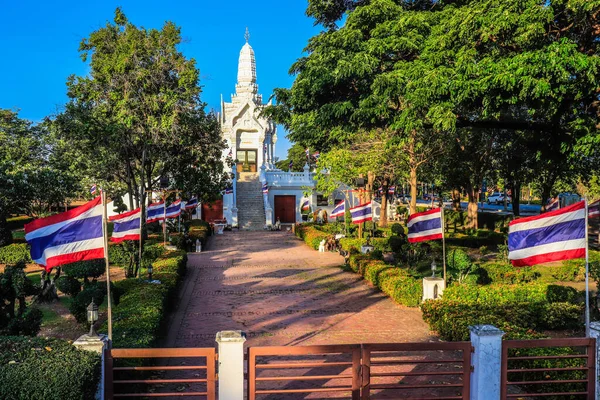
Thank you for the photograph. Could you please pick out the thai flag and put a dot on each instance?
(290, 164)
(229, 190)
(554, 236)
(425, 225)
(317, 155)
(93, 189)
(174, 210)
(339, 210)
(193, 203)
(155, 212)
(362, 213)
(305, 206)
(307, 151)
(265, 189)
(594, 210)
(75, 235)
(265, 147)
(392, 190)
(553, 204)
(126, 226)
(230, 153)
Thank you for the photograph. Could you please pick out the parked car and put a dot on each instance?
(497, 198)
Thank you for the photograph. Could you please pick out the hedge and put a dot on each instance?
(13, 253)
(396, 282)
(197, 229)
(505, 273)
(19, 222)
(516, 308)
(143, 306)
(380, 244)
(311, 235)
(38, 368)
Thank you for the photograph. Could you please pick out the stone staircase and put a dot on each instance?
(250, 203)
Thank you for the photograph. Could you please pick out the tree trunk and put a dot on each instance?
(5, 233)
(370, 184)
(412, 180)
(384, 203)
(48, 293)
(130, 186)
(516, 197)
(456, 200)
(472, 209)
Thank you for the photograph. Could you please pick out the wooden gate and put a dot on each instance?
(285, 209)
(195, 373)
(402, 370)
(548, 368)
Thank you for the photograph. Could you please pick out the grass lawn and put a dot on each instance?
(18, 234)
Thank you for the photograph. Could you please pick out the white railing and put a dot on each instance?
(282, 178)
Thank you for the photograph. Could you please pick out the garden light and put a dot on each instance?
(149, 272)
(433, 268)
(92, 317)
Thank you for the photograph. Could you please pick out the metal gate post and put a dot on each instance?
(231, 364)
(486, 362)
(595, 333)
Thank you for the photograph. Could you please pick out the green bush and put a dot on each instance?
(27, 324)
(459, 264)
(52, 369)
(396, 282)
(78, 306)
(143, 306)
(86, 269)
(570, 271)
(505, 273)
(13, 253)
(311, 235)
(19, 222)
(396, 243)
(68, 285)
(397, 229)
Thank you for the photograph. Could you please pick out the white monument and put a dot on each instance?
(250, 138)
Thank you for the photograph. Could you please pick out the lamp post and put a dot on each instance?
(150, 272)
(92, 317)
(433, 268)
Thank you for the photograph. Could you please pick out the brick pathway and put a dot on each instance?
(280, 292)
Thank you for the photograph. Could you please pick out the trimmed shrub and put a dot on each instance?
(78, 306)
(52, 369)
(570, 271)
(86, 269)
(311, 235)
(19, 222)
(13, 253)
(396, 243)
(142, 308)
(68, 285)
(27, 324)
(505, 273)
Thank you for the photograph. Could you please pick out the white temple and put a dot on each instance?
(251, 141)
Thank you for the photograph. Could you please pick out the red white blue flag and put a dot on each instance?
(93, 189)
(425, 225)
(126, 226)
(229, 190)
(392, 190)
(174, 210)
(305, 205)
(553, 236)
(193, 203)
(594, 210)
(265, 189)
(362, 213)
(339, 210)
(75, 235)
(155, 212)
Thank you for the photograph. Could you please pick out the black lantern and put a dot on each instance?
(433, 268)
(150, 272)
(92, 317)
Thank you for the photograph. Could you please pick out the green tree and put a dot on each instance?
(296, 153)
(137, 115)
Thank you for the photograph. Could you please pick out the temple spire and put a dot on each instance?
(246, 84)
(247, 35)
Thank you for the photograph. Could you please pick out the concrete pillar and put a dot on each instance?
(486, 362)
(595, 333)
(231, 364)
(433, 288)
(96, 344)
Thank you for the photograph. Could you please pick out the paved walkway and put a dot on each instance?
(280, 292)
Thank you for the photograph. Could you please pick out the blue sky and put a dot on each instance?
(40, 41)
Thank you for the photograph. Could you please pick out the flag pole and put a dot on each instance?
(140, 244)
(164, 197)
(444, 242)
(587, 274)
(105, 234)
